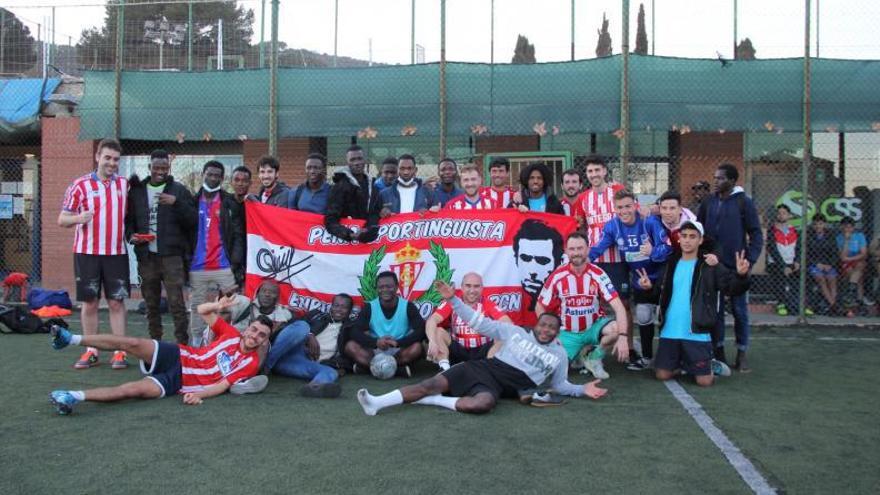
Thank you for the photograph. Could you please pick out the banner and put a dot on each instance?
(514, 252)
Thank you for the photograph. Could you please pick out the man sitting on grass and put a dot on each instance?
(527, 360)
(197, 373)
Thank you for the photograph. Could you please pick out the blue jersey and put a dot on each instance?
(629, 239)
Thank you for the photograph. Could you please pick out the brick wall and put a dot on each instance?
(505, 144)
(292, 153)
(63, 158)
(702, 152)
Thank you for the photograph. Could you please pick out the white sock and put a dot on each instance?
(79, 395)
(392, 398)
(443, 364)
(75, 339)
(439, 401)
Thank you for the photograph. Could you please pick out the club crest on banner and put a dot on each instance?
(408, 266)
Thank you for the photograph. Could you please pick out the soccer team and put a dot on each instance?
(675, 267)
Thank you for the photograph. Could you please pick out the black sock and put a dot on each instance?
(646, 333)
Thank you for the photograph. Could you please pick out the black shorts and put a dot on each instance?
(459, 353)
(689, 355)
(651, 296)
(96, 272)
(619, 275)
(164, 368)
(486, 375)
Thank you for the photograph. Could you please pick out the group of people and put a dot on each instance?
(675, 266)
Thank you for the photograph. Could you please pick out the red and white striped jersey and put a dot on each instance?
(568, 207)
(576, 298)
(105, 233)
(461, 203)
(502, 199)
(597, 208)
(459, 329)
(202, 367)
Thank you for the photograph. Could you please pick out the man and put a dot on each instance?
(243, 311)
(450, 339)
(644, 247)
(536, 182)
(731, 222)
(95, 205)
(824, 257)
(783, 253)
(673, 216)
(387, 174)
(527, 360)
(571, 189)
(447, 171)
(241, 184)
(537, 252)
(311, 348)
(472, 198)
(853, 248)
(573, 292)
(272, 190)
(699, 191)
(352, 196)
(218, 244)
(311, 195)
(690, 289)
(594, 208)
(407, 194)
(163, 209)
(170, 369)
(499, 189)
(388, 324)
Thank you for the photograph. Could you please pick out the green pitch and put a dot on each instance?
(807, 418)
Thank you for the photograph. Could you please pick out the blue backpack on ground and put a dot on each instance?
(38, 298)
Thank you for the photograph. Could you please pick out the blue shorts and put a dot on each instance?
(818, 272)
(164, 369)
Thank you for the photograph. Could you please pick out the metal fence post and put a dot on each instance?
(273, 84)
(624, 100)
(442, 78)
(120, 42)
(805, 168)
(189, 37)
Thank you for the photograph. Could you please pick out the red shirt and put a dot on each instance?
(104, 234)
(461, 203)
(502, 199)
(459, 329)
(202, 367)
(597, 208)
(577, 297)
(568, 206)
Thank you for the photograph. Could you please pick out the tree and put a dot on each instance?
(745, 50)
(19, 47)
(97, 46)
(603, 47)
(524, 53)
(641, 33)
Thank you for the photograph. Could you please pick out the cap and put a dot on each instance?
(694, 225)
(700, 184)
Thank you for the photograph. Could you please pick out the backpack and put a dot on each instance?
(37, 298)
(18, 320)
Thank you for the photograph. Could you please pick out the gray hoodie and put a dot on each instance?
(522, 350)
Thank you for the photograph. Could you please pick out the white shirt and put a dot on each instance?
(407, 198)
(327, 340)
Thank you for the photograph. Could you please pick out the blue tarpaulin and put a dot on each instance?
(20, 98)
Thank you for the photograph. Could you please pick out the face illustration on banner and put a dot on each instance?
(537, 249)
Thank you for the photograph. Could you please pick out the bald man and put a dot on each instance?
(450, 339)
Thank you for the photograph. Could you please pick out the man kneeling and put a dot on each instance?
(197, 373)
(525, 361)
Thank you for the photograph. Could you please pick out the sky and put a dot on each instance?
(685, 28)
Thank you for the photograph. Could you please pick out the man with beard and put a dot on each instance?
(272, 190)
(499, 189)
(571, 189)
(471, 199)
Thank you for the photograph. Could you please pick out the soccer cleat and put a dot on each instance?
(547, 399)
(639, 364)
(594, 366)
(809, 312)
(60, 337)
(364, 398)
(868, 302)
(253, 385)
(63, 401)
(781, 310)
(741, 363)
(329, 390)
(719, 368)
(119, 362)
(87, 360)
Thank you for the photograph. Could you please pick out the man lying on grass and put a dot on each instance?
(525, 361)
(197, 373)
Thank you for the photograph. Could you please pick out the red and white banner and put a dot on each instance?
(514, 252)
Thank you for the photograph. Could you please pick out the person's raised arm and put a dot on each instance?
(209, 311)
(479, 322)
(608, 240)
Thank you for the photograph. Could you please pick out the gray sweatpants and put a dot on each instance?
(203, 283)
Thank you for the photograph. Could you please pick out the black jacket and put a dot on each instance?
(553, 203)
(350, 197)
(318, 322)
(278, 196)
(708, 281)
(174, 223)
(822, 250)
(231, 232)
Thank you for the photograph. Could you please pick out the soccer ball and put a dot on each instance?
(383, 366)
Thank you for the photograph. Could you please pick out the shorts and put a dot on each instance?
(164, 369)
(651, 296)
(690, 355)
(573, 342)
(459, 353)
(486, 375)
(619, 275)
(818, 272)
(95, 272)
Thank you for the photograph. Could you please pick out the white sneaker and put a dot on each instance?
(719, 368)
(252, 385)
(594, 366)
(868, 302)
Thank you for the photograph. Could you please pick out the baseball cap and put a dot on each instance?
(700, 184)
(693, 224)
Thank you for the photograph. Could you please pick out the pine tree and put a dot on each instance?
(745, 50)
(524, 53)
(603, 47)
(19, 47)
(641, 33)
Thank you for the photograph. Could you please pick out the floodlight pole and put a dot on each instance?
(120, 36)
(412, 34)
(189, 38)
(273, 84)
(805, 168)
(2, 40)
(52, 46)
(572, 30)
(335, 31)
(492, 33)
(442, 78)
(262, 31)
(653, 26)
(735, 26)
(624, 99)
